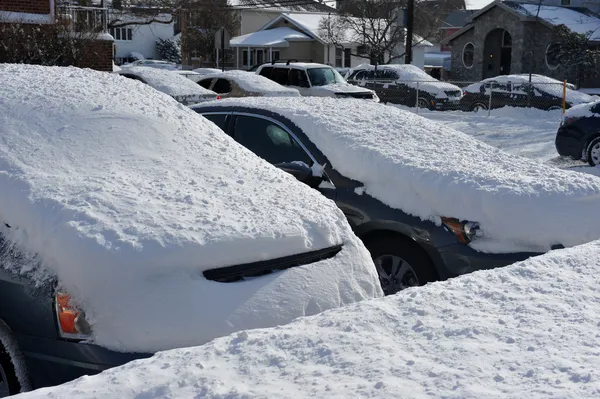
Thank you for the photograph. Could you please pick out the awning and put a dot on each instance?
(278, 37)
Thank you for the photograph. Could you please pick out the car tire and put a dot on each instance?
(553, 108)
(593, 152)
(423, 103)
(9, 383)
(385, 249)
(479, 106)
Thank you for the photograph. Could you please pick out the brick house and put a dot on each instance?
(39, 21)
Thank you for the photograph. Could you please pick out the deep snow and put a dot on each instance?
(254, 83)
(127, 197)
(529, 330)
(430, 170)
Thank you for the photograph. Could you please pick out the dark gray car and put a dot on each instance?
(407, 250)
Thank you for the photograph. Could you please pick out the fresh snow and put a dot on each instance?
(529, 330)
(582, 110)
(576, 21)
(429, 170)
(127, 197)
(253, 83)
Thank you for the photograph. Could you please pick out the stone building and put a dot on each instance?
(506, 38)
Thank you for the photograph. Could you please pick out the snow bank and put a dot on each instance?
(527, 330)
(429, 170)
(127, 197)
(254, 83)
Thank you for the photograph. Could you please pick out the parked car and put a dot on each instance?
(425, 199)
(515, 91)
(191, 75)
(130, 225)
(152, 64)
(244, 84)
(182, 89)
(312, 79)
(206, 71)
(407, 85)
(579, 133)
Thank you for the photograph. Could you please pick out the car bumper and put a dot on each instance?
(52, 362)
(454, 106)
(569, 143)
(461, 259)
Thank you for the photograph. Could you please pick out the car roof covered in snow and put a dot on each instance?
(429, 170)
(125, 194)
(528, 330)
(254, 83)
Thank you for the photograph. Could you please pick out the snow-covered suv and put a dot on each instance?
(312, 79)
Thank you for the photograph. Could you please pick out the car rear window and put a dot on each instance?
(222, 86)
(280, 75)
(266, 72)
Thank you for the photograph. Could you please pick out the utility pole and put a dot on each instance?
(410, 21)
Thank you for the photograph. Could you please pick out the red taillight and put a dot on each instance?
(218, 97)
(71, 320)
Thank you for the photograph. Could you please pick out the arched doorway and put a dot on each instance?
(497, 53)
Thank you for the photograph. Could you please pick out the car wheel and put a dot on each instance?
(400, 263)
(9, 383)
(479, 107)
(423, 103)
(593, 152)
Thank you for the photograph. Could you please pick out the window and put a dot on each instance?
(339, 53)
(269, 141)
(280, 75)
(275, 55)
(390, 75)
(565, 2)
(245, 57)
(122, 34)
(324, 76)
(468, 55)
(298, 78)
(553, 55)
(222, 86)
(218, 119)
(205, 83)
(506, 39)
(347, 58)
(266, 72)
(360, 75)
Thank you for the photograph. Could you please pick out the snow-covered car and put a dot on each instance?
(129, 224)
(182, 89)
(206, 71)
(314, 80)
(191, 75)
(244, 84)
(171, 66)
(406, 85)
(578, 135)
(515, 91)
(429, 202)
(529, 330)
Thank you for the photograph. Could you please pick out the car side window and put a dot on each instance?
(218, 119)
(298, 78)
(268, 140)
(596, 108)
(222, 86)
(205, 83)
(280, 75)
(266, 72)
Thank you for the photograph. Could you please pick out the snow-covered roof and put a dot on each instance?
(169, 82)
(448, 174)
(284, 5)
(277, 37)
(254, 83)
(477, 4)
(127, 197)
(529, 330)
(576, 21)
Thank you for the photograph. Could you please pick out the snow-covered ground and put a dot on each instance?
(527, 330)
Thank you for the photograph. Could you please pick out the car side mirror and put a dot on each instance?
(302, 172)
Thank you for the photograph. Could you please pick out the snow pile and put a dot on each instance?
(429, 170)
(582, 111)
(171, 83)
(253, 83)
(527, 330)
(127, 197)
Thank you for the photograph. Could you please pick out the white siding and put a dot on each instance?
(144, 40)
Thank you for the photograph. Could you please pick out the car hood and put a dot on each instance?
(437, 89)
(341, 88)
(520, 205)
(127, 197)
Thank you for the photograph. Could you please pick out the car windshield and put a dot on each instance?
(324, 76)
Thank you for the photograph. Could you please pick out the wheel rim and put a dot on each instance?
(479, 107)
(595, 153)
(395, 274)
(4, 391)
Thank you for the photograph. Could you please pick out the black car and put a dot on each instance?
(515, 91)
(578, 136)
(406, 250)
(407, 85)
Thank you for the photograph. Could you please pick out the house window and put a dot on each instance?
(506, 39)
(339, 53)
(565, 2)
(347, 58)
(553, 55)
(245, 60)
(122, 34)
(468, 55)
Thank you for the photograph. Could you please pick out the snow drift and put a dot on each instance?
(127, 197)
(429, 170)
(527, 330)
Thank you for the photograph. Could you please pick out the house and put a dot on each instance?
(296, 35)
(506, 38)
(454, 22)
(69, 35)
(136, 34)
